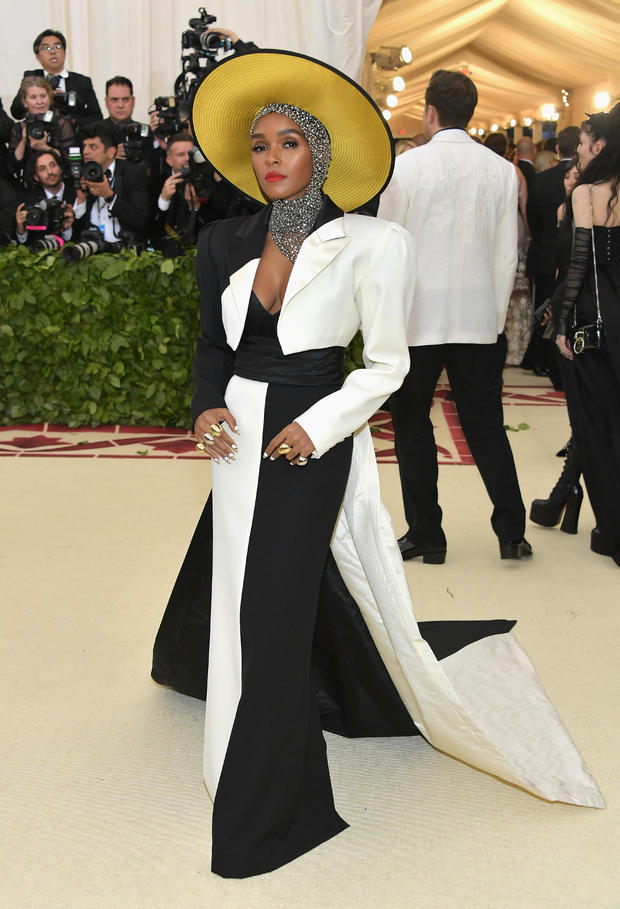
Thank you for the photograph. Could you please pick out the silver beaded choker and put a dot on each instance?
(291, 220)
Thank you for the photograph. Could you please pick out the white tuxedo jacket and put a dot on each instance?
(352, 272)
(458, 200)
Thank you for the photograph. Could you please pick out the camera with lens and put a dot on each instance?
(199, 174)
(196, 39)
(172, 116)
(91, 242)
(198, 53)
(38, 126)
(44, 219)
(133, 137)
(80, 169)
(67, 104)
(46, 214)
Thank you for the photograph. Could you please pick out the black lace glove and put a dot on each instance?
(580, 257)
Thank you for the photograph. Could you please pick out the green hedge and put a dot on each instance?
(109, 340)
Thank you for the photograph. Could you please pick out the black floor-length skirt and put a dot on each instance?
(594, 395)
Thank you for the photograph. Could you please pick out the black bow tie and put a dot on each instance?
(54, 81)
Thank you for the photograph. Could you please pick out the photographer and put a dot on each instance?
(6, 125)
(8, 205)
(41, 130)
(46, 170)
(119, 200)
(181, 212)
(74, 94)
(136, 138)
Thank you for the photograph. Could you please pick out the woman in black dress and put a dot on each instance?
(592, 298)
(291, 613)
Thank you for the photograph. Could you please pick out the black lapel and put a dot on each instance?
(119, 172)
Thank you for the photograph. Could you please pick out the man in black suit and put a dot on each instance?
(120, 102)
(9, 201)
(120, 200)
(543, 201)
(47, 180)
(547, 195)
(525, 151)
(50, 50)
(181, 210)
(6, 127)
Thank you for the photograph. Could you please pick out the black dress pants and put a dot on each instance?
(475, 375)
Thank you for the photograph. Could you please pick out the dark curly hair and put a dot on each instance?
(606, 165)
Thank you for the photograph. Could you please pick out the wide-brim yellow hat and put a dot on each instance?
(231, 95)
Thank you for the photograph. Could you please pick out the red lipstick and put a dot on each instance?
(273, 176)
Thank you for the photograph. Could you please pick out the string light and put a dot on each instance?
(565, 98)
(513, 122)
(391, 100)
(494, 127)
(387, 114)
(398, 83)
(527, 121)
(548, 111)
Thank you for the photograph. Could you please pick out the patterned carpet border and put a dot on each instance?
(53, 440)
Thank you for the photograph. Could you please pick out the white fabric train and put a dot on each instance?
(484, 704)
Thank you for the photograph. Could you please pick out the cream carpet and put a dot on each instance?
(102, 799)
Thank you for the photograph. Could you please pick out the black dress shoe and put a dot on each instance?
(432, 555)
(514, 549)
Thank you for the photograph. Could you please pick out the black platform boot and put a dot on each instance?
(565, 497)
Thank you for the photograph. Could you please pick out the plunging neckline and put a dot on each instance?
(275, 312)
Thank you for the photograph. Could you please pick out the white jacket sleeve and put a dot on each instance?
(505, 252)
(394, 201)
(383, 299)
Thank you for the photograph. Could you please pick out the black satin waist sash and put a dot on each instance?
(262, 360)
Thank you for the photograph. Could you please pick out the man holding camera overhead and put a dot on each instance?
(74, 95)
(46, 176)
(117, 196)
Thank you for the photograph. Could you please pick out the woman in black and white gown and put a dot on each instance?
(291, 611)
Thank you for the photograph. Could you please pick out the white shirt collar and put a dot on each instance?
(51, 195)
(63, 73)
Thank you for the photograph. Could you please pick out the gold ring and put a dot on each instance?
(208, 438)
(301, 461)
(284, 449)
(216, 429)
(200, 446)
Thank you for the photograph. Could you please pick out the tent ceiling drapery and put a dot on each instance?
(520, 53)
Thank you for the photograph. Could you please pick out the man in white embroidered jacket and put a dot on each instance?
(459, 201)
